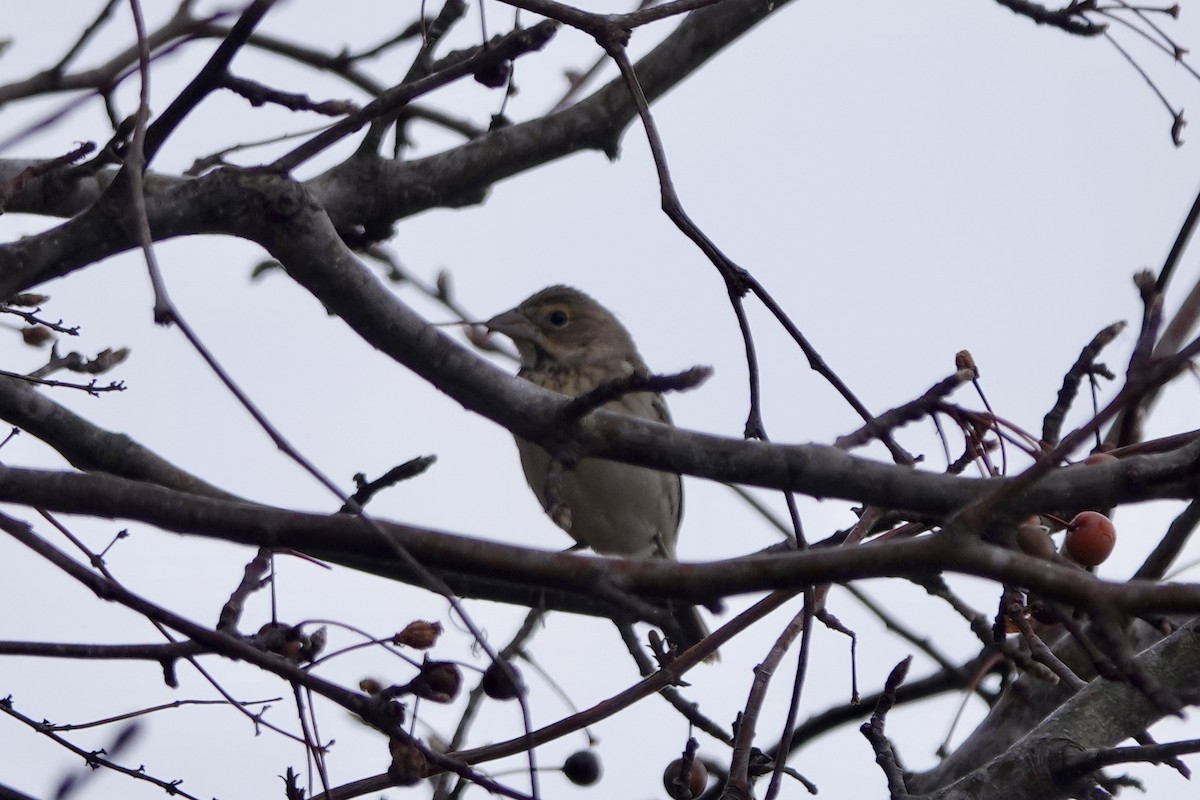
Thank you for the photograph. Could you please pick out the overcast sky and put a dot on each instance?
(907, 179)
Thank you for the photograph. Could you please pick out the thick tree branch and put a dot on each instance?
(351, 192)
(88, 447)
(476, 568)
(282, 217)
(1101, 715)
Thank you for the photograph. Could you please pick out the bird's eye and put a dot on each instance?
(557, 318)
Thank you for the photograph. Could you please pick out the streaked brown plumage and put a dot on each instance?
(571, 344)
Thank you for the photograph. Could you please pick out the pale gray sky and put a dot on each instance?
(908, 179)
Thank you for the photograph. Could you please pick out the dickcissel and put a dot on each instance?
(571, 344)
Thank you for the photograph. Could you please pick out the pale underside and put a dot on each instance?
(631, 511)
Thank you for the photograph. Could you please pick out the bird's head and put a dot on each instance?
(565, 328)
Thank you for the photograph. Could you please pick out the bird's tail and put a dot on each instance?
(691, 631)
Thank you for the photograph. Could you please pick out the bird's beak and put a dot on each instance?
(514, 325)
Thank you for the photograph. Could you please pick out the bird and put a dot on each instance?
(571, 344)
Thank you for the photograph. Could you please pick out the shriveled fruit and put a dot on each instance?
(681, 787)
(582, 768)
(1091, 537)
(501, 681)
(1035, 540)
(1040, 610)
(438, 681)
(419, 634)
(409, 764)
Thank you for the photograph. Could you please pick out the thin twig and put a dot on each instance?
(885, 756)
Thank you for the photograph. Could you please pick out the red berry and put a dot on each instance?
(1090, 538)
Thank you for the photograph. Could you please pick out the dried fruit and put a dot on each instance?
(313, 644)
(420, 635)
(582, 768)
(495, 75)
(501, 681)
(36, 336)
(1035, 540)
(438, 681)
(409, 764)
(1041, 610)
(682, 787)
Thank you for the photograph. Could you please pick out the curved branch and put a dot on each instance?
(287, 221)
(567, 581)
(376, 191)
(89, 447)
